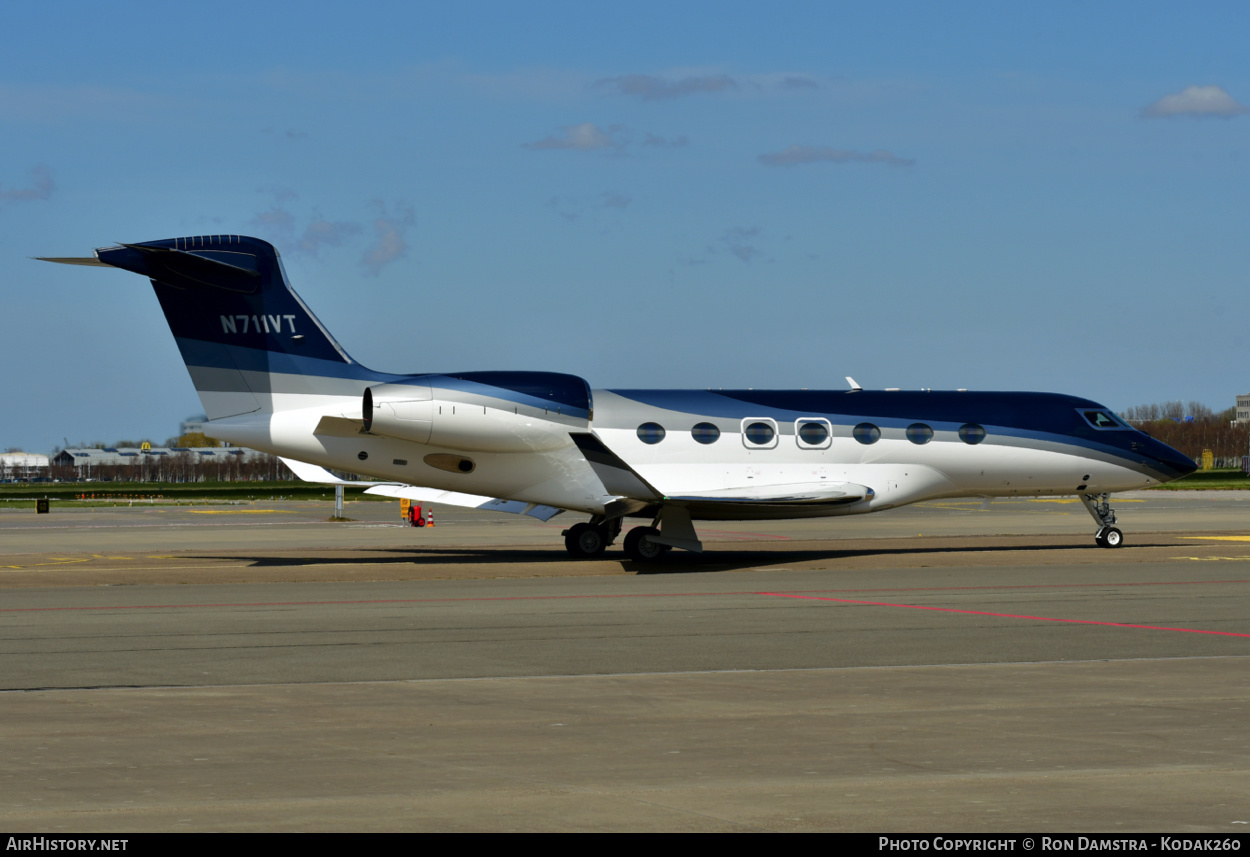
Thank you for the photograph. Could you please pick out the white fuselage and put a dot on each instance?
(525, 453)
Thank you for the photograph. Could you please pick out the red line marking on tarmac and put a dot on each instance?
(1008, 615)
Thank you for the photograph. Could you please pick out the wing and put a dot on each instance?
(313, 473)
(801, 494)
(769, 500)
(764, 502)
(469, 501)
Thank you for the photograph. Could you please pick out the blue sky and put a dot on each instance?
(1021, 196)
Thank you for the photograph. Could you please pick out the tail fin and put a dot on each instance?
(249, 342)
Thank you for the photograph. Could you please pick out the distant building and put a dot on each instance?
(22, 466)
(168, 464)
(1243, 408)
(192, 425)
(134, 455)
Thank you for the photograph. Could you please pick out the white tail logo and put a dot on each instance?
(256, 323)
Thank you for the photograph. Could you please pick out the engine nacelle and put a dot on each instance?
(402, 411)
(454, 420)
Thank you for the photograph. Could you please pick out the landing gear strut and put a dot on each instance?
(1099, 508)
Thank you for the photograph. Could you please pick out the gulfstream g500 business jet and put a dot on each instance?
(272, 378)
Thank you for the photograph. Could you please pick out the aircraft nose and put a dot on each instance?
(1170, 460)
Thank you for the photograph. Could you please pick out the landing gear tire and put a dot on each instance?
(1109, 537)
(640, 548)
(585, 540)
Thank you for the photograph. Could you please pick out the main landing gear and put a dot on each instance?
(1099, 508)
(586, 541)
(671, 528)
(590, 540)
(640, 545)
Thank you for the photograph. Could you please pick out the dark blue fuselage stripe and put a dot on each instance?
(213, 355)
(1046, 417)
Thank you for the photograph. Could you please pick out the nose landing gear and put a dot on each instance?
(1099, 508)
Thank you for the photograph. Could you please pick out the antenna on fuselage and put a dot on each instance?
(855, 388)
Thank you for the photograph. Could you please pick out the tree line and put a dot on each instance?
(182, 467)
(1192, 427)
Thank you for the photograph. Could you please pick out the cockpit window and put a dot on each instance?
(1104, 420)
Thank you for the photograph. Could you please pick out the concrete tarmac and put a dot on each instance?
(946, 667)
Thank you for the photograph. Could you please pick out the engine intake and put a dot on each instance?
(403, 411)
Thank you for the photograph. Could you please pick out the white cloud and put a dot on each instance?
(276, 224)
(612, 199)
(663, 143)
(1196, 101)
(391, 243)
(589, 137)
(740, 240)
(584, 137)
(681, 84)
(565, 207)
(41, 186)
(289, 133)
(279, 225)
(650, 88)
(322, 232)
(796, 155)
(798, 82)
(590, 208)
(51, 103)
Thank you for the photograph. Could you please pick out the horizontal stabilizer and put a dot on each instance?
(176, 267)
(181, 268)
(75, 260)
